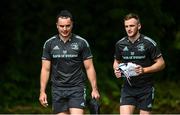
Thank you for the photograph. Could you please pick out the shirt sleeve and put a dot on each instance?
(154, 51)
(46, 51)
(117, 54)
(86, 51)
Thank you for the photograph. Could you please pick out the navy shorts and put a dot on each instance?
(142, 98)
(62, 100)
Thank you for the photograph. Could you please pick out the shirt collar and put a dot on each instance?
(70, 38)
(136, 40)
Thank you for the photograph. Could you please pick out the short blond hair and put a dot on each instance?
(132, 15)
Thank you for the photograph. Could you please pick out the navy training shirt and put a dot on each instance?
(142, 52)
(67, 61)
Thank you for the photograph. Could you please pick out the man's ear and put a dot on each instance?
(56, 26)
(139, 26)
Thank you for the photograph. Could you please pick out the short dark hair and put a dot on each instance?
(132, 15)
(64, 14)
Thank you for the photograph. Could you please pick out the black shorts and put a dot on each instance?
(142, 98)
(62, 100)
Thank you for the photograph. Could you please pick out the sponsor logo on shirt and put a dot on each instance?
(82, 104)
(64, 51)
(134, 57)
(132, 53)
(56, 48)
(125, 49)
(150, 105)
(65, 56)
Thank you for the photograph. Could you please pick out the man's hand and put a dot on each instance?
(139, 70)
(117, 72)
(43, 99)
(95, 94)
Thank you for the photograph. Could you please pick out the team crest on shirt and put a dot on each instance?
(74, 46)
(140, 47)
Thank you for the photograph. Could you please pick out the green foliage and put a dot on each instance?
(26, 24)
(167, 98)
(177, 41)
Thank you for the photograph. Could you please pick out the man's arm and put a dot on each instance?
(91, 74)
(44, 77)
(157, 66)
(117, 72)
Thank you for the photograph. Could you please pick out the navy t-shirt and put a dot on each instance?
(67, 61)
(142, 52)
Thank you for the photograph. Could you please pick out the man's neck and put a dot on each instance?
(134, 38)
(64, 39)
